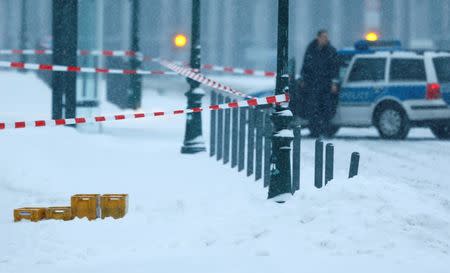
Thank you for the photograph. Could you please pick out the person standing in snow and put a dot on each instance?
(319, 84)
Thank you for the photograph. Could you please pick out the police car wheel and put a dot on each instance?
(441, 131)
(392, 122)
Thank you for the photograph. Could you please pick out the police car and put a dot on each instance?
(394, 90)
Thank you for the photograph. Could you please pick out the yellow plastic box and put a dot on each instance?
(86, 205)
(114, 205)
(59, 213)
(32, 214)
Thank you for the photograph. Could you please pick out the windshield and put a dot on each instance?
(442, 66)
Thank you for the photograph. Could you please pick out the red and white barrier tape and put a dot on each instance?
(100, 119)
(78, 69)
(178, 70)
(187, 72)
(130, 53)
(118, 53)
(237, 70)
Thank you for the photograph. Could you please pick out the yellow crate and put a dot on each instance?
(114, 205)
(59, 213)
(86, 205)
(32, 214)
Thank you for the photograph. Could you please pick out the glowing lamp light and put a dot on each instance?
(372, 36)
(180, 40)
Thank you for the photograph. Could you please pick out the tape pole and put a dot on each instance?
(99, 119)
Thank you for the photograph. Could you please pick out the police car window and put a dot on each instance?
(407, 70)
(344, 62)
(368, 69)
(442, 65)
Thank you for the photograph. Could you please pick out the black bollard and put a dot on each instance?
(259, 144)
(296, 152)
(219, 147)
(267, 147)
(213, 122)
(318, 164)
(354, 165)
(227, 133)
(329, 163)
(241, 148)
(234, 136)
(251, 141)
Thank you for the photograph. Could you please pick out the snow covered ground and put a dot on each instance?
(189, 213)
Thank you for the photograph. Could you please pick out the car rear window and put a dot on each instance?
(368, 69)
(442, 67)
(407, 70)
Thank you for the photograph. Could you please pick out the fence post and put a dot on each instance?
(296, 158)
(234, 136)
(318, 164)
(354, 165)
(329, 163)
(213, 129)
(267, 147)
(259, 144)
(242, 125)
(193, 142)
(226, 144)
(219, 147)
(251, 141)
(281, 177)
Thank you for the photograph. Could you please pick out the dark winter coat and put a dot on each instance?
(320, 68)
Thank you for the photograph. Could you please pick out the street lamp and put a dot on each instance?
(135, 79)
(65, 39)
(193, 140)
(280, 168)
(180, 40)
(23, 30)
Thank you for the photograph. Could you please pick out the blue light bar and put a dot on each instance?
(378, 45)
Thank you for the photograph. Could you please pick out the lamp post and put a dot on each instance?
(193, 140)
(23, 29)
(280, 168)
(135, 94)
(65, 37)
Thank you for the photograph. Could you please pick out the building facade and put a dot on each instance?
(243, 32)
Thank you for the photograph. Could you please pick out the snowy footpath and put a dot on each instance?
(189, 213)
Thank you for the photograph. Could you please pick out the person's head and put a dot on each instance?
(322, 37)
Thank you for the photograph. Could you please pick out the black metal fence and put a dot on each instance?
(242, 138)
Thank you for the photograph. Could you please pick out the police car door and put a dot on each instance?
(365, 80)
